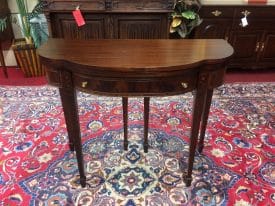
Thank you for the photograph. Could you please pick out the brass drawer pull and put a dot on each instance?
(84, 84)
(216, 13)
(262, 47)
(184, 85)
(257, 46)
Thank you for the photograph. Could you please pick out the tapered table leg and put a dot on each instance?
(146, 123)
(125, 121)
(205, 114)
(68, 96)
(197, 116)
(69, 103)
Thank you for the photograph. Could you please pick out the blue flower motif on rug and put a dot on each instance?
(128, 178)
(131, 181)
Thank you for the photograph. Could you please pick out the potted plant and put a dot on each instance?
(185, 17)
(34, 34)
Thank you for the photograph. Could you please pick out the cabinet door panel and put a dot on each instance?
(140, 26)
(64, 26)
(246, 46)
(268, 49)
(213, 29)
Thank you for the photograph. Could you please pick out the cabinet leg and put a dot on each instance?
(125, 121)
(146, 123)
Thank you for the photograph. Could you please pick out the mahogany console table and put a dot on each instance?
(128, 68)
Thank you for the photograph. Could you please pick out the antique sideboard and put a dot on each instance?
(110, 19)
(254, 44)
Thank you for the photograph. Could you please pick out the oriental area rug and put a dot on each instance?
(237, 166)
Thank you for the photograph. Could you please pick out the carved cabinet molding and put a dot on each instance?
(108, 19)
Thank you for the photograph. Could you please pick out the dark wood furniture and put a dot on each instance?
(129, 68)
(6, 36)
(2, 61)
(254, 44)
(109, 19)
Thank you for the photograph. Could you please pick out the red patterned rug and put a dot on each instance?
(237, 166)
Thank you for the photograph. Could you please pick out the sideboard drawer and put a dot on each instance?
(63, 5)
(255, 12)
(216, 11)
(110, 5)
(137, 5)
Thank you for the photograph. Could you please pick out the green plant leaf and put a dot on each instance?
(182, 31)
(30, 24)
(189, 14)
(38, 9)
(3, 24)
(172, 29)
(24, 22)
(38, 33)
(176, 22)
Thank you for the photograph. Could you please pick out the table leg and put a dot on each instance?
(197, 116)
(125, 121)
(69, 103)
(205, 114)
(69, 113)
(146, 123)
(2, 61)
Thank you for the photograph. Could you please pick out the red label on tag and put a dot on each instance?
(78, 17)
(257, 1)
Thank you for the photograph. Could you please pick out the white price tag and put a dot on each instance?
(244, 21)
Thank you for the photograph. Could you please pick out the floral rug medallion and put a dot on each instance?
(132, 177)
